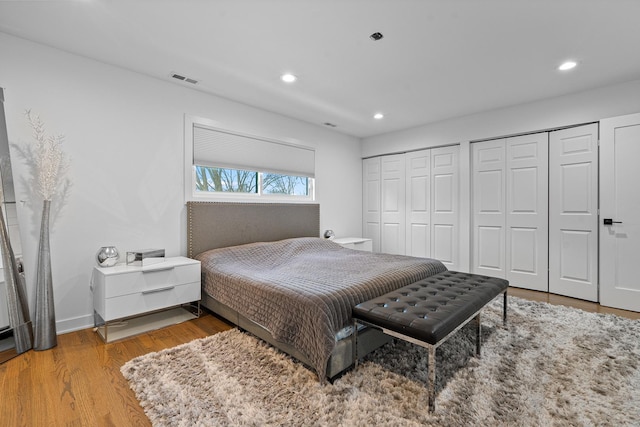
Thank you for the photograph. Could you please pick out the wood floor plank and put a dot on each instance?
(592, 307)
(79, 383)
(79, 352)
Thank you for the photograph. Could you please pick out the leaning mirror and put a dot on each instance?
(16, 335)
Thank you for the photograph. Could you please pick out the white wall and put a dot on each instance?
(583, 107)
(124, 136)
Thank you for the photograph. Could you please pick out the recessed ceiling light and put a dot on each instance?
(378, 116)
(567, 65)
(288, 78)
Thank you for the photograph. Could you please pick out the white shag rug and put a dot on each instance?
(552, 366)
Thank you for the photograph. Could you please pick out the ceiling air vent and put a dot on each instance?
(184, 79)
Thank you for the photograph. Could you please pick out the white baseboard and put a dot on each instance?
(74, 324)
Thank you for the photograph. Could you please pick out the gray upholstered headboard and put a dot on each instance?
(213, 225)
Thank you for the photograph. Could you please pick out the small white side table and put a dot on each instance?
(357, 243)
(130, 300)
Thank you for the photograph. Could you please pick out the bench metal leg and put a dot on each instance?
(432, 378)
(354, 345)
(478, 335)
(504, 310)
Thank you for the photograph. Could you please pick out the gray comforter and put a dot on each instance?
(302, 290)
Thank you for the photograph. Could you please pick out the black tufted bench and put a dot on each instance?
(427, 312)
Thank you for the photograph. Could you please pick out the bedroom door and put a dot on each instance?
(371, 174)
(418, 226)
(620, 212)
(573, 212)
(392, 213)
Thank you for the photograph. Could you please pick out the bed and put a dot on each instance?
(265, 269)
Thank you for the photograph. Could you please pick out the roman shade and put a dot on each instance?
(219, 148)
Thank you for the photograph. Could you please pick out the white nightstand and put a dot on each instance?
(147, 297)
(357, 243)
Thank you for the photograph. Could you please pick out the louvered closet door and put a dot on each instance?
(489, 219)
(371, 174)
(573, 212)
(527, 211)
(393, 204)
(418, 193)
(444, 202)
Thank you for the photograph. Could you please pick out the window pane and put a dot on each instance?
(285, 184)
(221, 180)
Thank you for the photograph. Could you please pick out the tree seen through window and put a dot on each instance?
(221, 180)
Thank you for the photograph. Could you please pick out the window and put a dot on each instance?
(224, 164)
(221, 180)
(273, 183)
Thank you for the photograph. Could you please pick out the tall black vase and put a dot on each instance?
(45, 336)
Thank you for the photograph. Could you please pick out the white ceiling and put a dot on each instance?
(438, 59)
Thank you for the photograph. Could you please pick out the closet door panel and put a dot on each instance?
(445, 245)
(371, 171)
(527, 211)
(490, 256)
(524, 250)
(488, 187)
(418, 182)
(490, 184)
(445, 212)
(393, 232)
(573, 212)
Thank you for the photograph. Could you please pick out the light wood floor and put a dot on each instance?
(78, 383)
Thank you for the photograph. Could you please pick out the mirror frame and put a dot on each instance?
(16, 337)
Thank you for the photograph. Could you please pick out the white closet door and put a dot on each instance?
(489, 219)
(393, 204)
(444, 202)
(371, 175)
(527, 211)
(418, 224)
(573, 212)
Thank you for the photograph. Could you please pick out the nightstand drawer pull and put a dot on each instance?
(153, 291)
(153, 270)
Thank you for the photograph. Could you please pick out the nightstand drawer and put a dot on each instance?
(154, 298)
(356, 243)
(150, 278)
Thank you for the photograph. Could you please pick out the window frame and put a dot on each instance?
(190, 193)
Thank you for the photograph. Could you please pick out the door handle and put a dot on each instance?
(609, 221)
